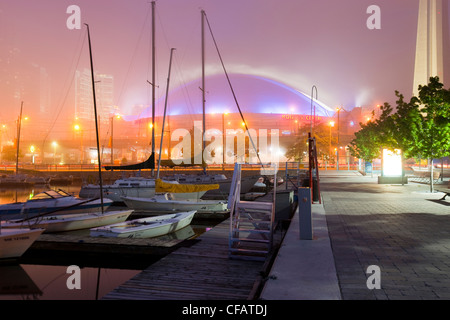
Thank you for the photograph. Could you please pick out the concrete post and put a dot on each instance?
(305, 215)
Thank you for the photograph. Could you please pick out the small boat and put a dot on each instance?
(224, 183)
(18, 181)
(75, 221)
(163, 203)
(69, 222)
(131, 187)
(51, 201)
(15, 241)
(60, 180)
(146, 227)
(37, 181)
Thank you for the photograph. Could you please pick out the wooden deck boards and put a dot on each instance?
(199, 272)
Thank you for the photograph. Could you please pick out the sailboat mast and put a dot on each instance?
(165, 109)
(153, 79)
(96, 121)
(19, 124)
(203, 87)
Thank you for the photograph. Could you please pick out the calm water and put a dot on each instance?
(45, 278)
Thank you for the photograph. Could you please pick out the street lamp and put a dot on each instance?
(223, 138)
(77, 129)
(117, 116)
(54, 144)
(331, 125)
(337, 152)
(32, 149)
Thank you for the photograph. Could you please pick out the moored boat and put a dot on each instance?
(146, 227)
(163, 203)
(15, 241)
(69, 222)
(59, 202)
(132, 187)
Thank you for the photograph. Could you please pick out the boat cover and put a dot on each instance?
(162, 186)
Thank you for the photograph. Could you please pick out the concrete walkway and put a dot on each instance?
(403, 230)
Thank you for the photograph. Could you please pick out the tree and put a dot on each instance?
(366, 144)
(420, 127)
(433, 123)
(298, 150)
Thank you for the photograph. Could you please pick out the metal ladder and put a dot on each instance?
(251, 223)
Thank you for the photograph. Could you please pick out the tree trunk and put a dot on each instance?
(431, 176)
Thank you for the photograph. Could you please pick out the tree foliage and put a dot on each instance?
(420, 127)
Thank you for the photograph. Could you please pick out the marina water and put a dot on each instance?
(46, 276)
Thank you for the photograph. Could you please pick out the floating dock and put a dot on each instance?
(202, 271)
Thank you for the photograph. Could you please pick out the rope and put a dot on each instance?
(232, 90)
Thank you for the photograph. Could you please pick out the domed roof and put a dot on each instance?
(254, 94)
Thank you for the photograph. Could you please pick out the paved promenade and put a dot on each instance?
(404, 230)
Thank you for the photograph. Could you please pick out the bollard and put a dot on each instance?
(304, 211)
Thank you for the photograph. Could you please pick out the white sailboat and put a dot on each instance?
(69, 222)
(146, 227)
(163, 203)
(132, 187)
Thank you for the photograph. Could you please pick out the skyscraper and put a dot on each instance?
(432, 42)
(104, 88)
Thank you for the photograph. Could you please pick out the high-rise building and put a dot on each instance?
(104, 92)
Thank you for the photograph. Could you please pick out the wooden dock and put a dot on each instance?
(202, 271)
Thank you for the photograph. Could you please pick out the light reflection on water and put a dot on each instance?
(45, 278)
(46, 282)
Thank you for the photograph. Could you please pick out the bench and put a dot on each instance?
(446, 191)
(424, 175)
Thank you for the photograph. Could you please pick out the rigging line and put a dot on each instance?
(184, 90)
(68, 89)
(177, 64)
(232, 90)
(134, 56)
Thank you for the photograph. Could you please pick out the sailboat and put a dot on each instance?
(69, 222)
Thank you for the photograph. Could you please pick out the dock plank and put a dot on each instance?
(202, 271)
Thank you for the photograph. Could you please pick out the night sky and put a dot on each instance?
(299, 43)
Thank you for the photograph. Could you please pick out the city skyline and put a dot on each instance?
(298, 44)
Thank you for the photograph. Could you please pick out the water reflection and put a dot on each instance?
(42, 275)
(46, 282)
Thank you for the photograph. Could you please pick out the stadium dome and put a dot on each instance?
(254, 94)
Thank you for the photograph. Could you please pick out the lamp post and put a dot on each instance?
(77, 129)
(112, 135)
(337, 151)
(314, 88)
(331, 125)
(54, 144)
(223, 138)
(32, 149)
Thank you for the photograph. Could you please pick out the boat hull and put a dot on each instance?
(115, 193)
(70, 222)
(14, 242)
(163, 205)
(33, 208)
(146, 227)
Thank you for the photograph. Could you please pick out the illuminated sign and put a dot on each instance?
(392, 163)
(300, 117)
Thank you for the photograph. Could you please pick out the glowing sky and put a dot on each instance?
(299, 43)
